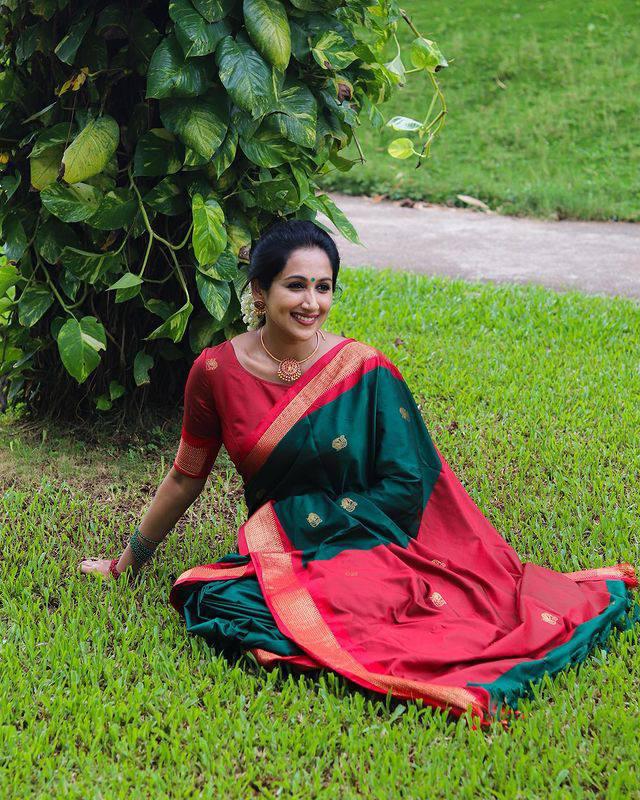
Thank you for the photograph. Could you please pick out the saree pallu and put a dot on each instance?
(363, 554)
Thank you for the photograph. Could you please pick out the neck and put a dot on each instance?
(284, 346)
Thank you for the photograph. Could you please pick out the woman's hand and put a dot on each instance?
(100, 565)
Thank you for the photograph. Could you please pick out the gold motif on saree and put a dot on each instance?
(314, 520)
(437, 599)
(550, 618)
(404, 413)
(348, 504)
(438, 563)
(339, 442)
(210, 363)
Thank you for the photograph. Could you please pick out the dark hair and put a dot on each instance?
(272, 250)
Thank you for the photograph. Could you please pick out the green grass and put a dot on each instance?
(532, 398)
(561, 140)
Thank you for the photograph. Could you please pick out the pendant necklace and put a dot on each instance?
(289, 368)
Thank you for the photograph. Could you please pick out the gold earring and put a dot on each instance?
(259, 307)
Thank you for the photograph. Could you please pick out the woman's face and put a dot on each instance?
(300, 296)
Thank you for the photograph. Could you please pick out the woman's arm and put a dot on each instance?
(172, 498)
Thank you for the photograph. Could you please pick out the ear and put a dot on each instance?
(256, 290)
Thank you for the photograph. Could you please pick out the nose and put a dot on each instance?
(310, 304)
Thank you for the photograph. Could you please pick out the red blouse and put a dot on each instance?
(223, 402)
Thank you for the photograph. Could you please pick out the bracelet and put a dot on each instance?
(142, 547)
(113, 569)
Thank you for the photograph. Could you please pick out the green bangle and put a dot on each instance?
(142, 552)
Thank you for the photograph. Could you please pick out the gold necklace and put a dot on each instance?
(289, 368)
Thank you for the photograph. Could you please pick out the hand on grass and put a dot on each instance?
(100, 565)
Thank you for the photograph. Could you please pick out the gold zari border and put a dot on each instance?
(346, 362)
(295, 606)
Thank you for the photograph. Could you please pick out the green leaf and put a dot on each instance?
(117, 210)
(268, 26)
(224, 155)
(14, 237)
(224, 269)
(71, 203)
(50, 137)
(68, 46)
(52, 237)
(245, 75)
(426, 54)
(103, 403)
(209, 236)
(9, 276)
(123, 295)
(196, 36)
(300, 114)
(142, 363)
(91, 150)
(200, 123)
(401, 148)
(45, 166)
(170, 75)
(404, 124)
(174, 326)
(90, 268)
(166, 197)
(266, 147)
(325, 204)
(157, 153)
(116, 390)
(332, 52)
(79, 344)
(213, 10)
(33, 304)
(215, 294)
(126, 281)
(277, 195)
(10, 183)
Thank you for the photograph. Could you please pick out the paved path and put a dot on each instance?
(596, 257)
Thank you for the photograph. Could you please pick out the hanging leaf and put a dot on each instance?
(157, 153)
(67, 47)
(14, 237)
(34, 302)
(299, 116)
(215, 294)
(201, 123)
(9, 276)
(79, 345)
(426, 54)
(213, 10)
(174, 326)
(209, 236)
(196, 36)
(71, 203)
(142, 363)
(171, 75)
(268, 27)
(91, 150)
(245, 75)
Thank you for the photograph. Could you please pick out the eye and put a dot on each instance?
(324, 286)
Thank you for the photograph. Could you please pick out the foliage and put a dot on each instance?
(105, 695)
(529, 129)
(145, 146)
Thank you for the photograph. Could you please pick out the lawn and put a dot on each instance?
(532, 398)
(543, 106)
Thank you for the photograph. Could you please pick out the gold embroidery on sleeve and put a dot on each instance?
(191, 459)
(210, 363)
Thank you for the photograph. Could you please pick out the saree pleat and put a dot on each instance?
(364, 554)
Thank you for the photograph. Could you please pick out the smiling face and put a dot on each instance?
(299, 299)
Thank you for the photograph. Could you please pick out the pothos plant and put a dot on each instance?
(144, 146)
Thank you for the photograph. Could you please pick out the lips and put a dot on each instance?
(304, 320)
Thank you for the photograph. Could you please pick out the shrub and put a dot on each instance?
(145, 146)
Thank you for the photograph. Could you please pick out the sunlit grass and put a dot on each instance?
(532, 398)
(543, 103)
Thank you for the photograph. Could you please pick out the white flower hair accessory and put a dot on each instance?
(249, 316)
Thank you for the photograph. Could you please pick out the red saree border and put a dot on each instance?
(292, 605)
(346, 364)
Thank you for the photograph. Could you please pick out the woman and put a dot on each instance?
(362, 552)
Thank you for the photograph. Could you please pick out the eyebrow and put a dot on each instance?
(289, 277)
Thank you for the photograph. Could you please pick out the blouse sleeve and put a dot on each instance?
(201, 435)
